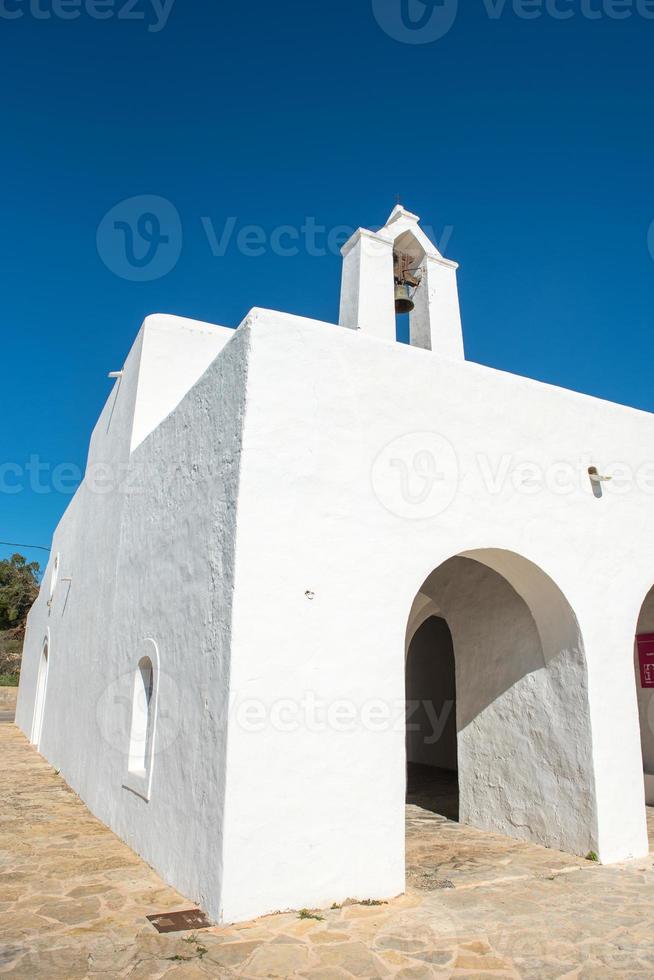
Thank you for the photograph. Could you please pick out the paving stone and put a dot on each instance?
(148, 970)
(278, 961)
(437, 957)
(356, 958)
(321, 936)
(71, 912)
(325, 973)
(187, 971)
(403, 944)
(415, 973)
(471, 961)
(233, 954)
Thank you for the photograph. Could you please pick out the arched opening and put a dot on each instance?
(408, 257)
(54, 575)
(644, 669)
(141, 730)
(39, 700)
(431, 742)
(143, 726)
(520, 714)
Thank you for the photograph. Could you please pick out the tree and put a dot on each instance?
(19, 587)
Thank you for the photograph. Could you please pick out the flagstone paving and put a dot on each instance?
(73, 901)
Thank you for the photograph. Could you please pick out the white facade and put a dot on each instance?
(268, 516)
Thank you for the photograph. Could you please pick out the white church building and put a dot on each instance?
(288, 532)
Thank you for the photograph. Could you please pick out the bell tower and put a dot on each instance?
(399, 270)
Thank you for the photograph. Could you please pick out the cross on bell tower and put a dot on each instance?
(395, 270)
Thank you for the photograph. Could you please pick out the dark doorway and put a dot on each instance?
(431, 737)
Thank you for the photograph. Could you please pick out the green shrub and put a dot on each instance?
(19, 587)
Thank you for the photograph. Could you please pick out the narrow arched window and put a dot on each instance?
(54, 576)
(143, 726)
(41, 687)
(142, 709)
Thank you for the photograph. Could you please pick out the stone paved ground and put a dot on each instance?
(73, 901)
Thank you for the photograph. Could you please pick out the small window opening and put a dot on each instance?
(54, 575)
(41, 687)
(140, 742)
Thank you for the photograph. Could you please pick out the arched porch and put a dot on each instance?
(522, 722)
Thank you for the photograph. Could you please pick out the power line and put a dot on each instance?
(12, 544)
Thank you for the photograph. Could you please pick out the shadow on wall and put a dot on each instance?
(494, 633)
(522, 717)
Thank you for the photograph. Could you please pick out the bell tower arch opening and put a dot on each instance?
(397, 271)
(408, 259)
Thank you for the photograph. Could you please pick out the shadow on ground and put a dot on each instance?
(436, 790)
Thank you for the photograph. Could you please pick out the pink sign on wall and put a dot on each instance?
(646, 659)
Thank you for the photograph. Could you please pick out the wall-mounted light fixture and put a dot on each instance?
(596, 481)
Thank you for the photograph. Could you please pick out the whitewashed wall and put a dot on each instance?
(261, 555)
(153, 558)
(323, 404)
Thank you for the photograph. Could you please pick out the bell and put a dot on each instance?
(403, 301)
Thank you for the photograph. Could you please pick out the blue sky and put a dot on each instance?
(525, 142)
